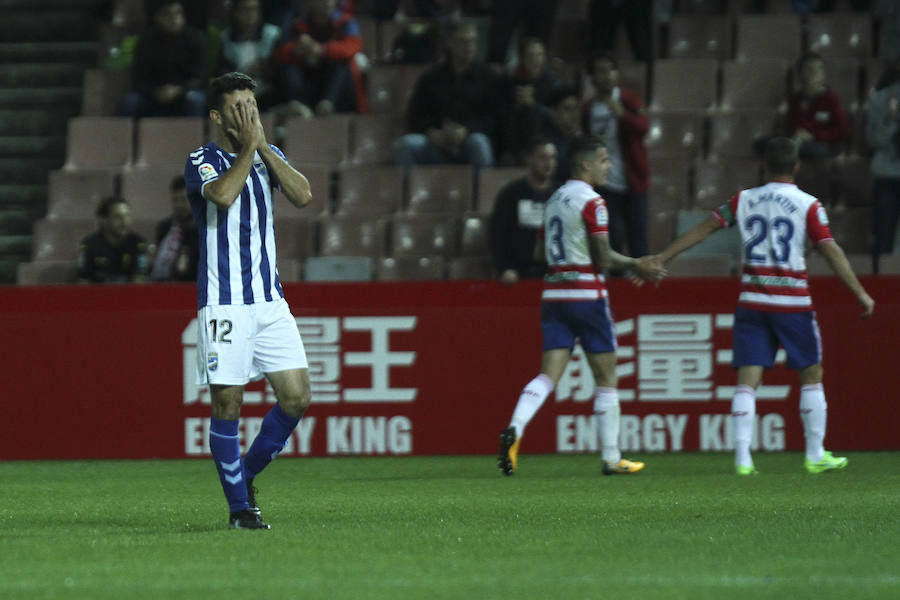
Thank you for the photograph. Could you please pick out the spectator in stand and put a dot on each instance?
(518, 215)
(538, 16)
(114, 253)
(815, 119)
(617, 115)
(560, 122)
(454, 109)
(530, 87)
(247, 46)
(170, 67)
(318, 66)
(604, 17)
(883, 134)
(177, 241)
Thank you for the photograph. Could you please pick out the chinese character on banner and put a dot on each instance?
(321, 339)
(675, 357)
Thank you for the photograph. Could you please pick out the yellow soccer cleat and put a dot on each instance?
(509, 451)
(623, 467)
(829, 462)
(743, 471)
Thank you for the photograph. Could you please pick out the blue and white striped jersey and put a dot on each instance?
(237, 244)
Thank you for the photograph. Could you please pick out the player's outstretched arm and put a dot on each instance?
(689, 238)
(836, 258)
(605, 257)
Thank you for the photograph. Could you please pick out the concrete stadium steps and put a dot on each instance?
(48, 25)
(35, 122)
(82, 53)
(41, 75)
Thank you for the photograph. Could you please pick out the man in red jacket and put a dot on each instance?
(618, 116)
(318, 64)
(815, 118)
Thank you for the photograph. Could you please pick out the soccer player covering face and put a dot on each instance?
(246, 326)
(575, 304)
(775, 307)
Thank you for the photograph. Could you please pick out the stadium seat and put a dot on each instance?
(670, 91)
(572, 9)
(817, 178)
(474, 235)
(99, 143)
(840, 35)
(373, 138)
(46, 272)
(338, 268)
(165, 142)
(58, 239)
(294, 238)
(852, 228)
(715, 181)
(854, 178)
(409, 268)
(858, 141)
(674, 134)
(440, 189)
(699, 7)
(390, 86)
(490, 182)
(754, 85)
(351, 235)
(693, 37)
(470, 267)
(724, 241)
(888, 264)
(732, 134)
(320, 141)
(320, 183)
(76, 194)
(420, 235)
(660, 228)
(705, 265)
(861, 263)
(774, 36)
(103, 88)
(147, 191)
(289, 269)
(368, 29)
(370, 191)
(669, 184)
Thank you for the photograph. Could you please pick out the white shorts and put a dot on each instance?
(239, 343)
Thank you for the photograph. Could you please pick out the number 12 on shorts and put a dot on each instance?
(219, 330)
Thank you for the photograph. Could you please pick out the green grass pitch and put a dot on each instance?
(453, 527)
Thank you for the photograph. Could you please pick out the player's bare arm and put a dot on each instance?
(224, 190)
(294, 184)
(606, 258)
(688, 239)
(836, 258)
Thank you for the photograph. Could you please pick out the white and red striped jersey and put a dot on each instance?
(572, 215)
(775, 220)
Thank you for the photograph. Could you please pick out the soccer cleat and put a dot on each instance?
(251, 497)
(509, 451)
(246, 519)
(829, 462)
(742, 470)
(622, 467)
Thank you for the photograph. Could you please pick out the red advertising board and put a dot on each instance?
(425, 368)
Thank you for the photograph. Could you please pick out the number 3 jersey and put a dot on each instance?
(775, 221)
(572, 215)
(237, 244)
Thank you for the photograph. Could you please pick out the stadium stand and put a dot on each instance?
(490, 181)
(772, 36)
(166, 141)
(338, 268)
(99, 143)
(440, 189)
(758, 84)
(391, 268)
(75, 194)
(352, 235)
(710, 37)
(424, 235)
(670, 91)
(369, 191)
(331, 136)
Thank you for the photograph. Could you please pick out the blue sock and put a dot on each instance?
(273, 434)
(226, 451)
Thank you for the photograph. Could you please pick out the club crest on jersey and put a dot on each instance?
(212, 361)
(260, 168)
(206, 171)
(823, 216)
(601, 215)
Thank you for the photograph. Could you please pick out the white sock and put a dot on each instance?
(814, 412)
(531, 399)
(606, 412)
(743, 411)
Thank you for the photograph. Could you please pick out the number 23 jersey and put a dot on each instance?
(775, 220)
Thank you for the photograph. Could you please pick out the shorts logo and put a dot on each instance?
(212, 361)
(206, 171)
